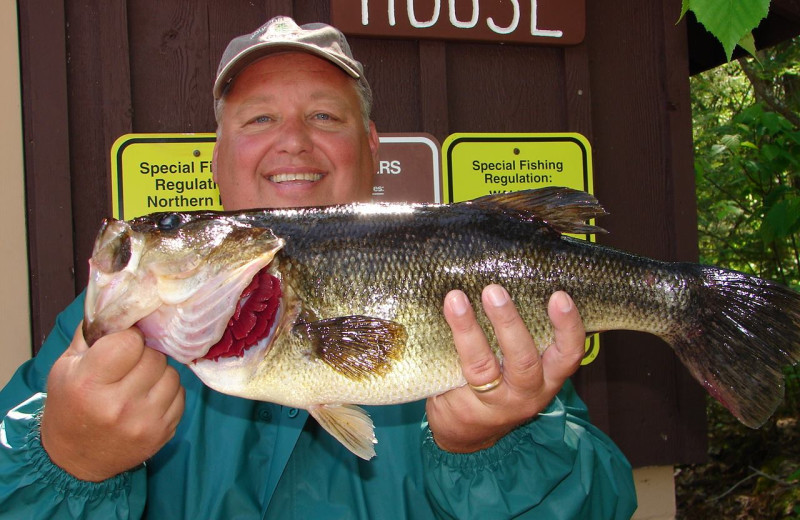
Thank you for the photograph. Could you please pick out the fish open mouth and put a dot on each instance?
(253, 318)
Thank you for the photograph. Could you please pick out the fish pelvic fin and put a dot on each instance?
(358, 347)
(563, 209)
(746, 331)
(350, 425)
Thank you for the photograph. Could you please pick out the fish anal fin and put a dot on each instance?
(350, 425)
(358, 347)
(564, 209)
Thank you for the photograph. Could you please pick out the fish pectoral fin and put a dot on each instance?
(358, 347)
(350, 425)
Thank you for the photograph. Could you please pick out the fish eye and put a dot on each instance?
(168, 221)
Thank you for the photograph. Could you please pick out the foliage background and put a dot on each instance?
(746, 120)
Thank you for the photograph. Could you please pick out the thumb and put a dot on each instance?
(112, 357)
(78, 344)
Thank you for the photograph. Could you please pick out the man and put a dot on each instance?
(124, 432)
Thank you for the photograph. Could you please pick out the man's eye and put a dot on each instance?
(261, 119)
(322, 116)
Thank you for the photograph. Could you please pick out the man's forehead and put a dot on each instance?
(266, 98)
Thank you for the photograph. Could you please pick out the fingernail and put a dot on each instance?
(496, 295)
(563, 302)
(459, 303)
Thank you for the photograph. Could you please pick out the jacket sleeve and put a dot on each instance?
(557, 466)
(31, 486)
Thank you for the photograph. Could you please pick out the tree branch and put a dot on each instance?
(764, 94)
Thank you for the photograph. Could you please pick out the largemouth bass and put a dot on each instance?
(329, 308)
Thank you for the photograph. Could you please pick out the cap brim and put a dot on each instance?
(260, 50)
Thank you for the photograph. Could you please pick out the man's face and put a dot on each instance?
(291, 134)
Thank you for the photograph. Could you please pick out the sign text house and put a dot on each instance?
(554, 22)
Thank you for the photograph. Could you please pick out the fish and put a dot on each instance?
(332, 308)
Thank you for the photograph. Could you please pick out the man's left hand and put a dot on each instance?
(498, 398)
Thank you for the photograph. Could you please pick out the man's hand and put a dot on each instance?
(109, 407)
(477, 415)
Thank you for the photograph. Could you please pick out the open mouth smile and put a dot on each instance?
(294, 177)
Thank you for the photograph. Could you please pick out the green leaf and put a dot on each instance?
(748, 43)
(732, 142)
(684, 9)
(774, 196)
(770, 152)
(717, 149)
(781, 220)
(772, 122)
(793, 136)
(729, 20)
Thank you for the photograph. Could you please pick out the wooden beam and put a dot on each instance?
(100, 64)
(47, 166)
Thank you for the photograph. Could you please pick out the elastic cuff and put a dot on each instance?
(481, 459)
(488, 458)
(26, 425)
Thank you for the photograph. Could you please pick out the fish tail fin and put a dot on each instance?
(745, 331)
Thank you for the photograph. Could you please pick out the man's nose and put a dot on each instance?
(294, 137)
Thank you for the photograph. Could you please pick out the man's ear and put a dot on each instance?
(374, 143)
(214, 162)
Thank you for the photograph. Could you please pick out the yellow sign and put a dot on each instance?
(162, 172)
(480, 164)
(474, 165)
(172, 172)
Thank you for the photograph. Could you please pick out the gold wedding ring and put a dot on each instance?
(491, 385)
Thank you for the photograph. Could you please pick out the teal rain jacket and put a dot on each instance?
(237, 459)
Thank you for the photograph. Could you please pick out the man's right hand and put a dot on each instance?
(109, 407)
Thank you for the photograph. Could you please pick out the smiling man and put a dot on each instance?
(291, 133)
(125, 433)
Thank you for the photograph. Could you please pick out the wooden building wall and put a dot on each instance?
(96, 69)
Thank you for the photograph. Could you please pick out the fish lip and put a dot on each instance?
(105, 281)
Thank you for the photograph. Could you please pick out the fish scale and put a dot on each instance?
(360, 318)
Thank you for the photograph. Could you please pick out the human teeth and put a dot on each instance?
(286, 177)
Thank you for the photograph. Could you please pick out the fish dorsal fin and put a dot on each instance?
(564, 209)
(350, 425)
(358, 347)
